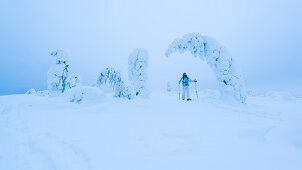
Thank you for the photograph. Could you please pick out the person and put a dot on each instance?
(185, 86)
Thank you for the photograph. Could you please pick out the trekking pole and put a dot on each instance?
(196, 90)
(178, 91)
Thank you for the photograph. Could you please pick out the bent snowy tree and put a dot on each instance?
(137, 71)
(114, 79)
(230, 81)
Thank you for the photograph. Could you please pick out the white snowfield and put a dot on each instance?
(159, 133)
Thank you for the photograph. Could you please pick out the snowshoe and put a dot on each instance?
(189, 99)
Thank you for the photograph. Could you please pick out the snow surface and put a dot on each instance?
(159, 133)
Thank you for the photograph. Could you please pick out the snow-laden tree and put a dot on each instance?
(58, 77)
(31, 91)
(137, 71)
(220, 61)
(74, 80)
(57, 74)
(114, 79)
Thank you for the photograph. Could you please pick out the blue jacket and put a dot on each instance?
(185, 81)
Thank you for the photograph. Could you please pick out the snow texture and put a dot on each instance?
(42, 93)
(86, 94)
(58, 78)
(32, 91)
(114, 79)
(161, 133)
(220, 61)
(137, 71)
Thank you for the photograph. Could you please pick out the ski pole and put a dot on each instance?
(196, 90)
(178, 91)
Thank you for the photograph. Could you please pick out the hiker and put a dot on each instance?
(185, 86)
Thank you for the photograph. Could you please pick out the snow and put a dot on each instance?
(162, 132)
(86, 94)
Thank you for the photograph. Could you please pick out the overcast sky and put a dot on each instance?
(263, 36)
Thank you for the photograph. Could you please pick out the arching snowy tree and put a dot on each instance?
(57, 74)
(220, 61)
(58, 77)
(114, 79)
(137, 71)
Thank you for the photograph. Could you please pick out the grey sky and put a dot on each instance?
(264, 36)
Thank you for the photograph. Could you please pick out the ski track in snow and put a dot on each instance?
(156, 133)
(36, 150)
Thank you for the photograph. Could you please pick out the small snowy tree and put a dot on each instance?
(57, 74)
(74, 80)
(220, 61)
(114, 79)
(137, 71)
(58, 77)
(31, 91)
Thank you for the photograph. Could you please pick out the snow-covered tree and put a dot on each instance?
(31, 91)
(220, 61)
(114, 79)
(74, 80)
(57, 74)
(58, 77)
(137, 71)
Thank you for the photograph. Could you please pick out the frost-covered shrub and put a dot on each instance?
(85, 94)
(43, 93)
(137, 71)
(58, 77)
(31, 91)
(221, 62)
(114, 79)
(74, 80)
